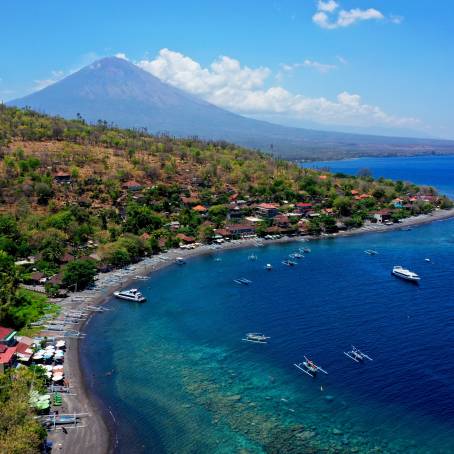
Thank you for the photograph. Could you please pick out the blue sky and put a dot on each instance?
(367, 65)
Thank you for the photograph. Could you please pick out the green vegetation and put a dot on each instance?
(79, 198)
(20, 432)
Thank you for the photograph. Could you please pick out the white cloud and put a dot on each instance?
(121, 55)
(55, 76)
(327, 6)
(322, 68)
(325, 15)
(396, 19)
(226, 83)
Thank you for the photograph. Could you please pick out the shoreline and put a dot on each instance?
(99, 433)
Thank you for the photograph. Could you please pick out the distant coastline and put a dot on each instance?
(99, 435)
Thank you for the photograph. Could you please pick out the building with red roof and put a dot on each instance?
(267, 209)
(200, 209)
(7, 356)
(7, 336)
(132, 186)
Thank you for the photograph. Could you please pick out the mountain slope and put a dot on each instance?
(117, 91)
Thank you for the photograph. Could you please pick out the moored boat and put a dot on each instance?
(405, 274)
(130, 295)
(257, 338)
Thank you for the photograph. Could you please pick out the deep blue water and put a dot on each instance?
(178, 378)
(429, 170)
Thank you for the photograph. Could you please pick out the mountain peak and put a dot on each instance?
(117, 91)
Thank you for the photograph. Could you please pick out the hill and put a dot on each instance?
(119, 92)
(76, 199)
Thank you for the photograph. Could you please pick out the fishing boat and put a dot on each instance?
(405, 274)
(243, 281)
(256, 338)
(289, 263)
(309, 367)
(180, 261)
(130, 295)
(370, 252)
(268, 267)
(60, 420)
(357, 355)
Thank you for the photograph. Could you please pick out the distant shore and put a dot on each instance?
(98, 436)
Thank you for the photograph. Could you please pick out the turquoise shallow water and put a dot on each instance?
(178, 379)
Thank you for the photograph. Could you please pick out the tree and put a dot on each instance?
(140, 218)
(9, 281)
(44, 193)
(343, 205)
(79, 273)
(20, 431)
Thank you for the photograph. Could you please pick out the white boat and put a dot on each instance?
(180, 261)
(268, 267)
(405, 274)
(370, 252)
(289, 263)
(130, 295)
(252, 257)
(357, 355)
(309, 367)
(257, 338)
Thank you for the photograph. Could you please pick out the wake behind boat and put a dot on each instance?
(405, 274)
(130, 295)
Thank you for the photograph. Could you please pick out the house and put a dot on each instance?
(132, 186)
(56, 279)
(241, 230)
(200, 209)
(222, 233)
(174, 225)
(37, 278)
(303, 207)
(189, 200)
(185, 238)
(281, 220)
(24, 349)
(235, 213)
(397, 203)
(67, 258)
(382, 215)
(62, 177)
(7, 337)
(7, 356)
(268, 210)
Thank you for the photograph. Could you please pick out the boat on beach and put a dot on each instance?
(257, 338)
(180, 261)
(130, 295)
(405, 274)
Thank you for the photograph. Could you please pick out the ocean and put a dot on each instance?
(178, 378)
